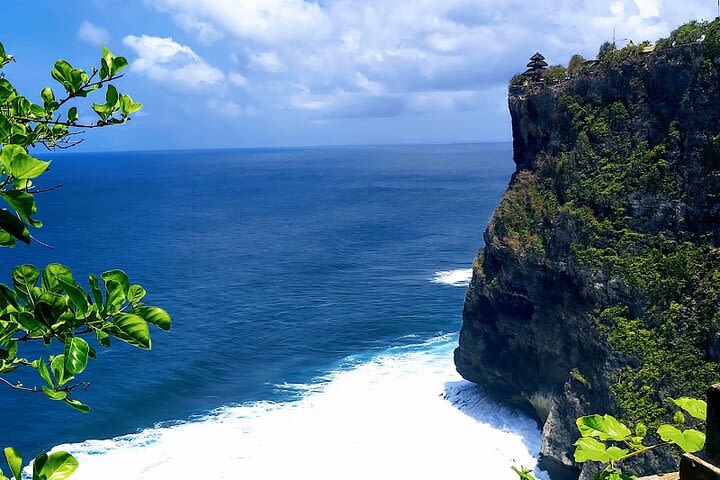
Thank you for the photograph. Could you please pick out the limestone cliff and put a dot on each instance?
(598, 289)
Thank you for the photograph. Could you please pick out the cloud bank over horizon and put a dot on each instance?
(373, 58)
(326, 72)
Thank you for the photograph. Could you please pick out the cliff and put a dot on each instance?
(598, 288)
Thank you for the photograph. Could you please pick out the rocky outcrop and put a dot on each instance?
(598, 287)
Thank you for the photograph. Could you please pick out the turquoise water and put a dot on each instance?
(305, 286)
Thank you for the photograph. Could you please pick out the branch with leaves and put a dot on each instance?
(52, 123)
(605, 439)
(52, 307)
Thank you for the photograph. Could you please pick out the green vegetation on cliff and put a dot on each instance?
(632, 184)
(598, 289)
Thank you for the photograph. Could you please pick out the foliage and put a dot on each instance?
(576, 63)
(53, 123)
(520, 217)
(53, 466)
(605, 49)
(518, 80)
(694, 32)
(607, 440)
(51, 307)
(555, 73)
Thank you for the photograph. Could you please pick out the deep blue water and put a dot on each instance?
(274, 264)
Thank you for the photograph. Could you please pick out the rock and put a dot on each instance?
(618, 174)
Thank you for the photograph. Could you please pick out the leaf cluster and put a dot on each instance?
(52, 466)
(54, 123)
(53, 308)
(605, 439)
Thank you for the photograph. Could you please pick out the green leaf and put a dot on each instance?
(106, 63)
(16, 160)
(136, 293)
(77, 296)
(37, 465)
(641, 429)
(679, 418)
(111, 97)
(57, 466)
(120, 277)
(115, 296)
(14, 461)
(76, 355)
(590, 450)
(24, 279)
(6, 90)
(51, 277)
(155, 315)
(615, 453)
(77, 405)
(14, 226)
(96, 293)
(128, 106)
(57, 365)
(6, 240)
(696, 408)
(24, 204)
(5, 127)
(523, 473)
(47, 96)
(8, 296)
(69, 77)
(53, 395)
(118, 64)
(102, 338)
(72, 114)
(42, 369)
(603, 427)
(132, 329)
(689, 440)
(29, 323)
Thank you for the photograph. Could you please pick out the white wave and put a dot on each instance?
(404, 414)
(456, 278)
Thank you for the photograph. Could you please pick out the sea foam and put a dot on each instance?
(404, 413)
(456, 278)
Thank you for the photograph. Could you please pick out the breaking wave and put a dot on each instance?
(402, 413)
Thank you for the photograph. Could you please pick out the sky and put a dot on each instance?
(272, 73)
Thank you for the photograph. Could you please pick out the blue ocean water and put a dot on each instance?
(289, 275)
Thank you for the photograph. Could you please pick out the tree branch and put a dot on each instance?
(88, 84)
(18, 386)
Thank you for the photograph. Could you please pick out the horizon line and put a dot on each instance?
(288, 147)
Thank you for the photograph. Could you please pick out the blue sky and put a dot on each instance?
(263, 73)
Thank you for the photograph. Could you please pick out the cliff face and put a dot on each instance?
(598, 289)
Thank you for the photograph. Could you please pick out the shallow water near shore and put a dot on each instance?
(315, 295)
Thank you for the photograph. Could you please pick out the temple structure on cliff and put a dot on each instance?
(536, 68)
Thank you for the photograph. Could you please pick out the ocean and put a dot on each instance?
(316, 296)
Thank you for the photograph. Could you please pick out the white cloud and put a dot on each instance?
(205, 32)
(226, 108)
(164, 60)
(268, 61)
(381, 58)
(92, 34)
(265, 21)
(648, 8)
(238, 79)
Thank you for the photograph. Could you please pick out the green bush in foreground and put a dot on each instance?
(50, 306)
(607, 440)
